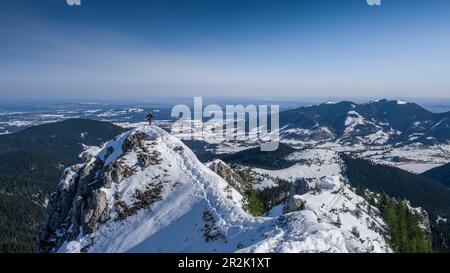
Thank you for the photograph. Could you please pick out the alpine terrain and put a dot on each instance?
(145, 191)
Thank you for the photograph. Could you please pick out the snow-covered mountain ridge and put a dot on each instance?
(395, 133)
(145, 191)
(377, 122)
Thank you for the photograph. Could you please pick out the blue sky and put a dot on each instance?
(145, 49)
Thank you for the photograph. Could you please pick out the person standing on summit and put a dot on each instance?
(149, 118)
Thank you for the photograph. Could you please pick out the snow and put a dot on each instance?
(264, 183)
(439, 123)
(215, 161)
(329, 205)
(322, 210)
(316, 163)
(303, 233)
(176, 222)
(417, 168)
(51, 116)
(92, 111)
(199, 189)
(89, 151)
(129, 125)
(401, 102)
(63, 183)
(299, 170)
(116, 145)
(276, 211)
(416, 158)
(332, 200)
(135, 110)
(109, 114)
(352, 121)
(300, 137)
(441, 219)
(18, 123)
(378, 138)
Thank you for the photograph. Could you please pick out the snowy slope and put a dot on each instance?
(145, 191)
(312, 163)
(329, 197)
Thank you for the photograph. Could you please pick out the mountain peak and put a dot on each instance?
(145, 191)
(137, 184)
(401, 102)
(379, 122)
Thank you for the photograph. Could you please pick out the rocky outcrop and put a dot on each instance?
(147, 159)
(59, 209)
(115, 172)
(303, 185)
(134, 140)
(80, 203)
(224, 171)
(95, 212)
(294, 203)
(424, 219)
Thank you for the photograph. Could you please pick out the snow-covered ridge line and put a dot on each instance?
(321, 187)
(145, 191)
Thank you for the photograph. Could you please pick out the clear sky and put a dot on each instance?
(123, 49)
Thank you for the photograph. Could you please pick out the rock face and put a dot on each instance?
(134, 140)
(303, 185)
(129, 175)
(224, 171)
(80, 203)
(294, 203)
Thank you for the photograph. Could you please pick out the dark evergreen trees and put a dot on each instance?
(402, 185)
(441, 174)
(31, 161)
(404, 226)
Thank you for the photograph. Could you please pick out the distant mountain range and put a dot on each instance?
(377, 123)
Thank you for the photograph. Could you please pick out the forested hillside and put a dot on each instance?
(420, 191)
(441, 174)
(31, 161)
